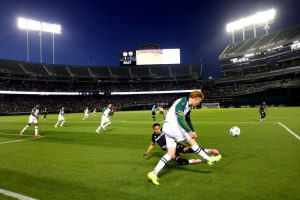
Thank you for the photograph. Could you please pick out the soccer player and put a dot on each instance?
(61, 117)
(262, 111)
(105, 121)
(153, 112)
(45, 112)
(159, 137)
(33, 117)
(94, 111)
(178, 127)
(86, 113)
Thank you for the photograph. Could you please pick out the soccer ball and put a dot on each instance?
(235, 131)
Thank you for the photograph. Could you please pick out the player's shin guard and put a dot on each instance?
(163, 161)
(200, 152)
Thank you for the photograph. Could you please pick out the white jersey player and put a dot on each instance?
(105, 121)
(94, 112)
(61, 117)
(86, 113)
(33, 118)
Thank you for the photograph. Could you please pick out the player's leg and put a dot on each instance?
(25, 128)
(36, 129)
(57, 123)
(195, 147)
(190, 150)
(62, 122)
(107, 122)
(160, 165)
(101, 125)
(263, 116)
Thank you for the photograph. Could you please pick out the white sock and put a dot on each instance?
(36, 129)
(163, 161)
(98, 128)
(62, 123)
(207, 151)
(25, 128)
(200, 152)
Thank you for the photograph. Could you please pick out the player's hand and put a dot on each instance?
(193, 134)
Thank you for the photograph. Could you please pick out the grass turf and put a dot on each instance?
(74, 162)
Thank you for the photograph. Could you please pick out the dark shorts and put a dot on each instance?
(179, 149)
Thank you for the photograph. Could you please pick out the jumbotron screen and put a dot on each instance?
(157, 56)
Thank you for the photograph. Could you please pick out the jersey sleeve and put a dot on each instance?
(188, 120)
(179, 110)
(153, 139)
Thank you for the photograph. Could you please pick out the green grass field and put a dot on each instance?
(74, 162)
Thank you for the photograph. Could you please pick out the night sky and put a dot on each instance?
(94, 32)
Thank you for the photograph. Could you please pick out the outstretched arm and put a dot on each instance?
(150, 147)
(162, 111)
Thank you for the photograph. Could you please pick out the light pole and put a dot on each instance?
(34, 25)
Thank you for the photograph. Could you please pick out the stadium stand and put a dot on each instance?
(265, 68)
(264, 54)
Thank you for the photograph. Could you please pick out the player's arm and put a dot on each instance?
(180, 116)
(188, 120)
(150, 147)
(162, 111)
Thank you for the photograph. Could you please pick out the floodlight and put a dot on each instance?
(258, 18)
(38, 26)
(29, 24)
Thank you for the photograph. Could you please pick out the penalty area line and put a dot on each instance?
(290, 131)
(20, 140)
(15, 195)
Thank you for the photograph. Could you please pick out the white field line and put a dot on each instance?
(15, 195)
(20, 140)
(290, 131)
(16, 134)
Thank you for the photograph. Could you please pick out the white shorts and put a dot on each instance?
(61, 118)
(32, 119)
(174, 134)
(105, 119)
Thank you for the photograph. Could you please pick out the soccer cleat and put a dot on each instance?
(196, 161)
(214, 151)
(61, 125)
(37, 135)
(153, 178)
(214, 159)
(97, 131)
(55, 126)
(21, 133)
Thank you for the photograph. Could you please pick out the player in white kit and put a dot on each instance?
(33, 118)
(61, 117)
(105, 121)
(86, 113)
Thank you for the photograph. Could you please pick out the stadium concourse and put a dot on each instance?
(264, 68)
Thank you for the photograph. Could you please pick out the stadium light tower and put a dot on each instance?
(34, 25)
(259, 19)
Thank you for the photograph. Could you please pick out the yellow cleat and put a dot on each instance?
(214, 159)
(153, 178)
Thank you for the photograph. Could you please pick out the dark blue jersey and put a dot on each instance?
(262, 108)
(160, 140)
